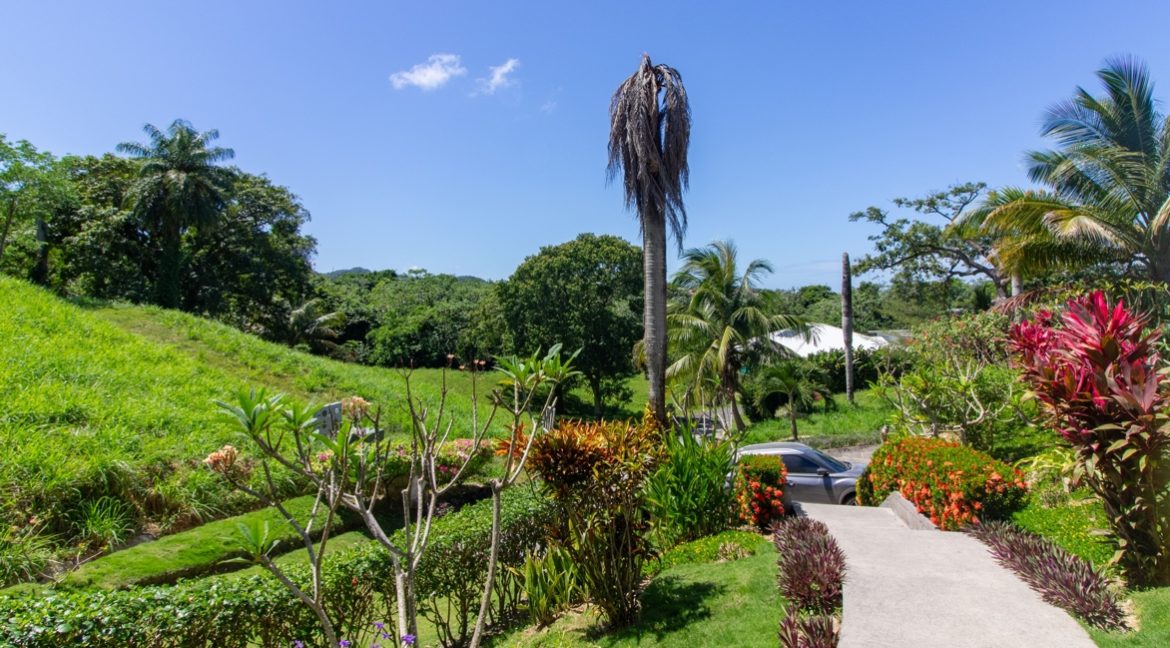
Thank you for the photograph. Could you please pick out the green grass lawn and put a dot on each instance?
(119, 401)
(1071, 525)
(1153, 610)
(732, 603)
(847, 425)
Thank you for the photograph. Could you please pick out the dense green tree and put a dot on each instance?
(585, 294)
(31, 185)
(421, 318)
(253, 262)
(721, 319)
(801, 383)
(102, 249)
(1108, 184)
(650, 132)
(179, 186)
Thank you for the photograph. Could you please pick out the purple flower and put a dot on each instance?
(344, 643)
(379, 626)
(297, 643)
(408, 640)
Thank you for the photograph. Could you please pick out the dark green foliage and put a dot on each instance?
(418, 319)
(868, 366)
(1062, 579)
(688, 496)
(585, 294)
(258, 610)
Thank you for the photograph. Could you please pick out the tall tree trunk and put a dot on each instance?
(598, 401)
(40, 270)
(7, 226)
(736, 417)
(792, 415)
(847, 322)
(170, 267)
(1017, 284)
(654, 312)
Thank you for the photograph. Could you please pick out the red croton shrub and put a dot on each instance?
(758, 489)
(1096, 372)
(954, 485)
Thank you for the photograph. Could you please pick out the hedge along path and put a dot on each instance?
(927, 588)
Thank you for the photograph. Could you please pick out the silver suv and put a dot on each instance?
(813, 476)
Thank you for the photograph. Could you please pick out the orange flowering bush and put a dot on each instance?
(758, 489)
(954, 485)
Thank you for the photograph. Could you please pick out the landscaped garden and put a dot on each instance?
(208, 443)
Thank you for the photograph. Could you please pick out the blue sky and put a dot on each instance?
(803, 112)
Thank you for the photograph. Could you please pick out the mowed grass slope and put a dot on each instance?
(119, 401)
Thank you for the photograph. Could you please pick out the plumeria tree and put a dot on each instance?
(354, 465)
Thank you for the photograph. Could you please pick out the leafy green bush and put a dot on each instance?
(868, 366)
(759, 484)
(959, 386)
(258, 610)
(688, 496)
(952, 484)
(550, 584)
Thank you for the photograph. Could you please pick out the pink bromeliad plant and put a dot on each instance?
(1098, 375)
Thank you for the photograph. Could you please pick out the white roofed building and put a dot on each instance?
(823, 337)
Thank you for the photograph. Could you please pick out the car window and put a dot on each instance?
(799, 463)
(833, 464)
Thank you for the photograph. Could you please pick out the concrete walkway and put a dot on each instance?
(919, 588)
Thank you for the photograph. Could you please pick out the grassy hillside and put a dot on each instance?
(117, 402)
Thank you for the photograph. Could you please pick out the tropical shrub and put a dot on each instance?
(1062, 579)
(954, 485)
(812, 565)
(1095, 370)
(959, 387)
(24, 554)
(808, 631)
(688, 496)
(868, 366)
(759, 483)
(597, 473)
(550, 584)
(257, 610)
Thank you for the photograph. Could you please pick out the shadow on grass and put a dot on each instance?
(669, 604)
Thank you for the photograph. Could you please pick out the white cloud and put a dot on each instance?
(437, 71)
(499, 77)
(548, 106)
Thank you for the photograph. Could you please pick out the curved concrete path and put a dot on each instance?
(927, 588)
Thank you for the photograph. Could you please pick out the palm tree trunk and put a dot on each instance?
(740, 426)
(847, 322)
(1017, 284)
(170, 268)
(654, 311)
(792, 415)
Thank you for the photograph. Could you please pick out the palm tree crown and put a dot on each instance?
(179, 186)
(650, 131)
(1108, 183)
(720, 320)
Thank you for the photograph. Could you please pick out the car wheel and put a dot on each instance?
(850, 500)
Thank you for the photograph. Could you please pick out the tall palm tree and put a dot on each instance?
(1107, 185)
(179, 186)
(650, 132)
(721, 320)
